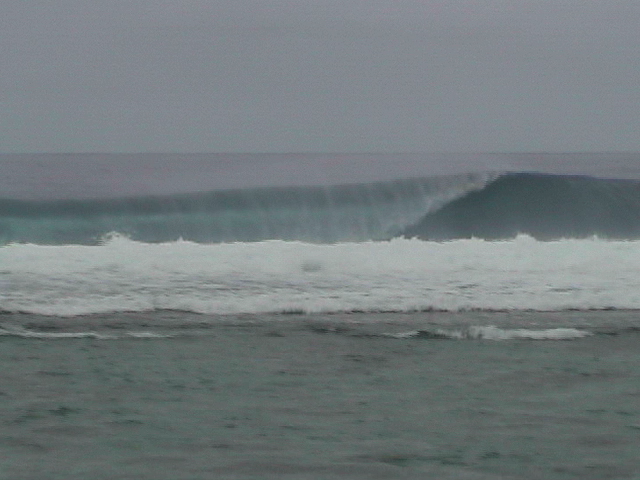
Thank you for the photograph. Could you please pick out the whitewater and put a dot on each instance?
(401, 275)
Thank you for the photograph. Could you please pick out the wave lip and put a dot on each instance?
(546, 207)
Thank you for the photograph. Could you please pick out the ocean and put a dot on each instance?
(320, 315)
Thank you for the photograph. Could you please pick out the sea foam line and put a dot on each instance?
(494, 333)
(25, 333)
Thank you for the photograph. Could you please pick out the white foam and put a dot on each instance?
(277, 276)
(494, 333)
(24, 333)
(148, 335)
(16, 331)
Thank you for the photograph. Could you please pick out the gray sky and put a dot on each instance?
(319, 75)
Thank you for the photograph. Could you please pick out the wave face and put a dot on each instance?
(545, 207)
(489, 206)
(359, 212)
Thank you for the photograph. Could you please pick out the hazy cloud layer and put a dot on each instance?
(319, 75)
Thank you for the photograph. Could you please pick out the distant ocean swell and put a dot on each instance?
(489, 206)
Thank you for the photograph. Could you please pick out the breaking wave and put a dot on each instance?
(358, 212)
(488, 206)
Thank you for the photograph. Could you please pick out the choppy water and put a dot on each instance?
(167, 395)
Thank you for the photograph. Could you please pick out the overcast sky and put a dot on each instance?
(319, 75)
